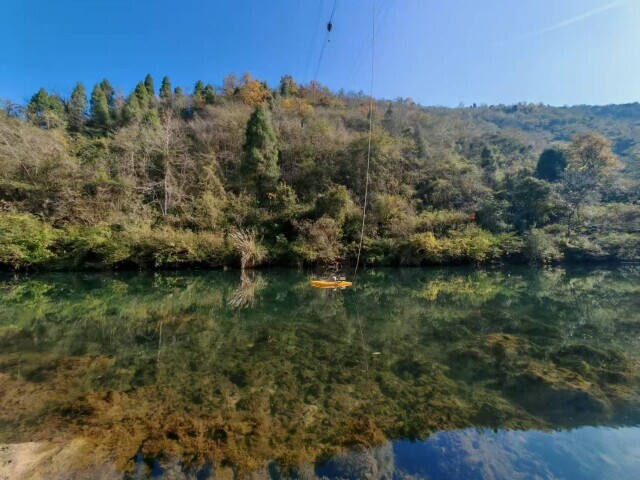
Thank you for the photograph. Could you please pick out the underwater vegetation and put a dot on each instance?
(211, 372)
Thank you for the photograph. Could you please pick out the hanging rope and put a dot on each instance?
(366, 183)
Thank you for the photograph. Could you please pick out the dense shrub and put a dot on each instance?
(541, 247)
(25, 241)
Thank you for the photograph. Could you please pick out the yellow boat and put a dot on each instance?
(330, 284)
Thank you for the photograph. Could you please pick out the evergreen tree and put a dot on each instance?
(388, 116)
(288, 86)
(198, 97)
(259, 167)
(77, 107)
(148, 83)
(46, 110)
(132, 111)
(165, 89)
(99, 107)
(198, 89)
(142, 95)
(421, 148)
(551, 164)
(178, 92)
(37, 106)
(109, 92)
(209, 95)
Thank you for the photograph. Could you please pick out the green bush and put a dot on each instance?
(167, 248)
(624, 247)
(96, 247)
(319, 242)
(469, 245)
(440, 222)
(541, 247)
(25, 240)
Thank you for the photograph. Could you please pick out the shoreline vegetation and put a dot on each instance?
(248, 175)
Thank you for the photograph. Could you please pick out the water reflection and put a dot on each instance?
(217, 375)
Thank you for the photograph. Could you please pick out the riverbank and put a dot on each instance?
(28, 243)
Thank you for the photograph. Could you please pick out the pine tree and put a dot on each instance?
(148, 83)
(165, 89)
(46, 110)
(37, 106)
(421, 148)
(551, 164)
(132, 111)
(288, 86)
(109, 92)
(197, 99)
(178, 93)
(259, 167)
(77, 107)
(388, 121)
(198, 89)
(142, 95)
(209, 95)
(99, 107)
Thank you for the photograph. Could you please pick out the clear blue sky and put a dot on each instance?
(437, 52)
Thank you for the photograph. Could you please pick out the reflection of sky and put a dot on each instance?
(587, 453)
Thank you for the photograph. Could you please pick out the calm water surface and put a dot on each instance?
(421, 373)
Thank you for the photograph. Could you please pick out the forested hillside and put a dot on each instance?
(255, 175)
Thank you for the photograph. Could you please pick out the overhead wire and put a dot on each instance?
(382, 15)
(313, 41)
(326, 40)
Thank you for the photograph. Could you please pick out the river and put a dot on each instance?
(411, 374)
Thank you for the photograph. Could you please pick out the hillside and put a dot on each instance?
(275, 176)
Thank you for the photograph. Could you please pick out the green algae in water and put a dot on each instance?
(238, 374)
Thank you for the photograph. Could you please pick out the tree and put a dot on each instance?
(77, 108)
(259, 167)
(178, 92)
(198, 89)
(132, 110)
(420, 147)
(197, 99)
(148, 83)
(252, 92)
(531, 203)
(551, 164)
(109, 93)
(388, 121)
(209, 95)
(46, 110)
(142, 95)
(288, 86)
(590, 164)
(99, 107)
(230, 84)
(165, 89)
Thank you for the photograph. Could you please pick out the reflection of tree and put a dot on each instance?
(245, 295)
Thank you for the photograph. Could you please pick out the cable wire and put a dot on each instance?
(313, 41)
(326, 38)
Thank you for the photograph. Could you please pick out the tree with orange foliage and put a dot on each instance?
(252, 92)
